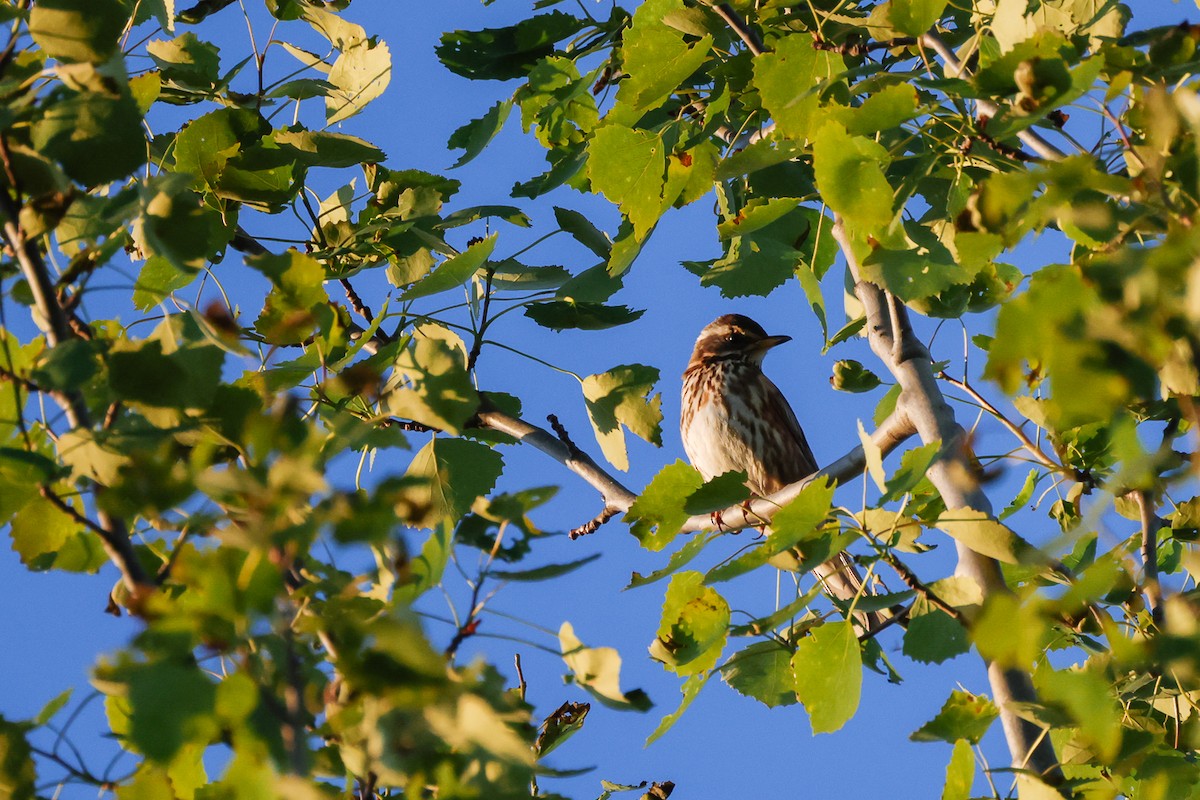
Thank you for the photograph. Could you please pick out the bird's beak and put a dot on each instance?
(771, 341)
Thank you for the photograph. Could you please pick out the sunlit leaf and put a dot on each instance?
(963, 716)
(598, 670)
(827, 668)
(762, 671)
(694, 626)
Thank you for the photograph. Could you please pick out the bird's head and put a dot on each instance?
(734, 336)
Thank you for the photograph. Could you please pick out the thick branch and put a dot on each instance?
(611, 490)
(892, 339)
(1150, 524)
(955, 69)
(54, 323)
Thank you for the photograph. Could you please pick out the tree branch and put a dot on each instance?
(890, 333)
(55, 324)
(953, 68)
(738, 25)
(1149, 519)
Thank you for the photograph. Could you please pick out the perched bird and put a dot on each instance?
(733, 418)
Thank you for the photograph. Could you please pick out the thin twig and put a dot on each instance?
(477, 344)
(592, 525)
(861, 48)
(1012, 427)
(560, 431)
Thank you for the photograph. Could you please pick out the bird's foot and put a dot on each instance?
(719, 523)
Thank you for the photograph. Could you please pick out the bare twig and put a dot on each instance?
(913, 582)
(593, 525)
(1012, 427)
(560, 431)
(861, 48)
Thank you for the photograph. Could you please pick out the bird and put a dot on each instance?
(733, 418)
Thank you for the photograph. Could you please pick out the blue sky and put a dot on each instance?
(726, 745)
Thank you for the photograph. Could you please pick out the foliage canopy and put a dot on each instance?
(197, 438)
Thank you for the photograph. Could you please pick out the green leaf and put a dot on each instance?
(454, 271)
(787, 80)
(914, 463)
(325, 149)
(796, 522)
(915, 274)
(451, 473)
(656, 58)
(359, 75)
(1088, 698)
(476, 134)
(827, 668)
(73, 130)
(849, 173)
(1024, 495)
(598, 670)
(884, 110)
(762, 671)
(78, 30)
(963, 716)
(960, 772)
(628, 166)
(38, 531)
(505, 53)
(565, 722)
(691, 688)
(205, 146)
(719, 493)
(660, 510)
(934, 637)
(766, 244)
(174, 224)
(157, 280)
(583, 231)
(51, 708)
(187, 60)
(678, 559)
(621, 396)
(141, 372)
(171, 705)
(694, 626)
(542, 573)
(292, 307)
(465, 216)
(914, 17)
(851, 376)
(514, 276)
(558, 105)
(18, 775)
(436, 389)
(584, 315)
(985, 535)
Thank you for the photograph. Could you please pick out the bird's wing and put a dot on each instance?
(782, 416)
